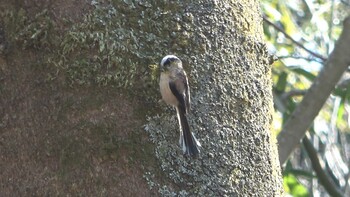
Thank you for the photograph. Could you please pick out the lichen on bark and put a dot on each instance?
(118, 43)
(231, 111)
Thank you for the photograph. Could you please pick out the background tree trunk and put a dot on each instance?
(75, 96)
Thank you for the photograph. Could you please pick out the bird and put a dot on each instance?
(175, 91)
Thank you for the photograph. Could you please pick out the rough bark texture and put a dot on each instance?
(69, 124)
(231, 105)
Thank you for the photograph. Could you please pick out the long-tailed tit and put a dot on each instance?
(176, 92)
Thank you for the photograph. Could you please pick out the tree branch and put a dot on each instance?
(324, 179)
(301, 118)
(292, 93)
(292, 39)
(300, 57)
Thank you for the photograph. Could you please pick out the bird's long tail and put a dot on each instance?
(190, 145)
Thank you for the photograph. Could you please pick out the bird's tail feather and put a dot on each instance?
(190, 145)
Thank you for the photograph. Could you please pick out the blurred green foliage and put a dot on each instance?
(314, 25)
(293, 187)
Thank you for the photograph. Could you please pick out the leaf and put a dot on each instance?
(341, 122)
(271, 11)
(292, 186)
(304, 173)
(303, 72)
(282, 82)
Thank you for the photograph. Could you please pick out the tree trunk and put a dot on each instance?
(231, 112)
(79, 83)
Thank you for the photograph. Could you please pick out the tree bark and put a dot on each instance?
(223, 51)
(79, 81)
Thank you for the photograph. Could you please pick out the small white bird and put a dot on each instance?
(176, 92)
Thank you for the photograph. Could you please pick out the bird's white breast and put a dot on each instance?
(167, 94)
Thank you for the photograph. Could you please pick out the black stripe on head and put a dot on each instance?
(168, 59)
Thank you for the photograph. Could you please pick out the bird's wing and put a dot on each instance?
(187, 95)
(179, 87)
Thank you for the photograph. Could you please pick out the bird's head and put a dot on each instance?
(170, 62)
